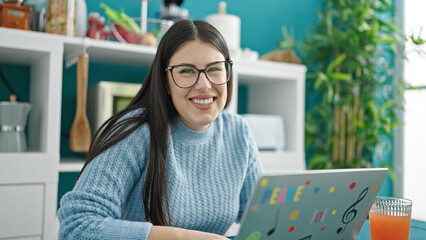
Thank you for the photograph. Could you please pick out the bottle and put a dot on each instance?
(94, 25)
(105, 33)
(80, 18)
(102, 23)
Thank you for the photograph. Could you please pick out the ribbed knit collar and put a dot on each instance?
(183, 133)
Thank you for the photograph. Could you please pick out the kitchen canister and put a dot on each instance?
(228, 25)
(13, 119)
(60, 17)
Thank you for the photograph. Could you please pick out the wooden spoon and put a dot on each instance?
(80, 135)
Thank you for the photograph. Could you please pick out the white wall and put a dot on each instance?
(414, 137)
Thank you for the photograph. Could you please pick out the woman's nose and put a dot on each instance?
(203, 82)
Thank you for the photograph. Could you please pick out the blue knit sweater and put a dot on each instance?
(210, 175)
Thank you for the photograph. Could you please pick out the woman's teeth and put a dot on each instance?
(203, 101)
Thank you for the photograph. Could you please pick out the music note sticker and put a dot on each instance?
(351, 212)
(270, 232)
(306, 238)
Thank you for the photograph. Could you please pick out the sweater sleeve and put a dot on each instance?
(254, 171)
(92, 210)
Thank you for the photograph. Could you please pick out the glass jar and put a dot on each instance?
(61, 17)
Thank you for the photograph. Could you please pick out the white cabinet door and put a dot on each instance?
(21, 210)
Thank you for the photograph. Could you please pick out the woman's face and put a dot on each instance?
(199, 105)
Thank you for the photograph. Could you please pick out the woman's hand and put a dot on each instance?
(172, 233)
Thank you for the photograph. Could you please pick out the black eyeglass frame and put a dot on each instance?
(170, 68)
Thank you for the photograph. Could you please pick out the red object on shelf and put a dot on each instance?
(96, 25)
(105, 33)
(120, 34)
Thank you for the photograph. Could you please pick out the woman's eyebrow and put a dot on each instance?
(192, 65)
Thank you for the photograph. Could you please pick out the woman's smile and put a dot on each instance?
(203, 102)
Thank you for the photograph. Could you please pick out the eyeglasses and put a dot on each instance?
(187, 75)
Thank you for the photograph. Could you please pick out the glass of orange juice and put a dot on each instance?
(390, 218)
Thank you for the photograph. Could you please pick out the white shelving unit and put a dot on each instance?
(29, 180)
(273, 88)
(278, 89)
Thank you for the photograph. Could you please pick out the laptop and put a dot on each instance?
(311, 205)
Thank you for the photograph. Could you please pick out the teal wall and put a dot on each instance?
(261, 21)
(18, 77)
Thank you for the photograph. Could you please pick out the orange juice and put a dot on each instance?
(385, 227)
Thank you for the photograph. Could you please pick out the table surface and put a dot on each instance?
(417, 231)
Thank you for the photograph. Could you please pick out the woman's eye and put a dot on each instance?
(186, 71)
(214, 69)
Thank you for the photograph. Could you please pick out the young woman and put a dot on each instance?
(173, 164)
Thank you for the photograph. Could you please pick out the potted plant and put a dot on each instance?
(351, 104)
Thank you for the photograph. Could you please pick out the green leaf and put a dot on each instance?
(287, 41)
(330, 94)
(336, 62)
(418, 40)
(341, 76)
(322, 78)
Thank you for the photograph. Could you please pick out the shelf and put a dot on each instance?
(71, 164)
(259, 72)
(44, 54)
(26, 47)
(109, 52)
(19, 56)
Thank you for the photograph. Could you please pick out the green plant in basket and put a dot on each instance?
(122, 19)
(125, 29)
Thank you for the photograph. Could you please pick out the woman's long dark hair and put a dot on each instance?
(158, 112)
